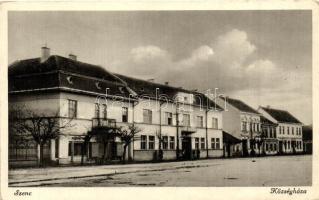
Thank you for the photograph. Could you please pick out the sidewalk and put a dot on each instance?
(32, 177)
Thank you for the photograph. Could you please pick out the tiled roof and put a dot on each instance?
(281, 115)
(264, 120)
(240, 105)
(56, 71)
(149, 89)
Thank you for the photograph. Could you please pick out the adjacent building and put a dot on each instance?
(243, 122)
(288, 130)
(269, 137)
(182, 124)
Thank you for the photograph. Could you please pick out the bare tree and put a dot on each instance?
(24, 122)
(160, 144)
(127, 136)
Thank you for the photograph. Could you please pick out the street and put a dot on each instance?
(263, 171)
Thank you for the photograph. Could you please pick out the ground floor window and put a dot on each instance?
(165, 142)
(151, 142)
(202, 143)
(196, 143)
(77, 149)
(172, 142)
(213, 143)
(143, 141)
(217, 143)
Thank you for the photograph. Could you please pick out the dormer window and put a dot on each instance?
(69, 79)
(121, 90)
(98, 85)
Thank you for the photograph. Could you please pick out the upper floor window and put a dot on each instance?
(147, 116)
(72, 111)
(214, 123)
(97, 111)
(200, 122)
(186, 119)
(169, 118)
(288, 130)
(293, 130)
(104, 106)
(124, 114)
(244, 126)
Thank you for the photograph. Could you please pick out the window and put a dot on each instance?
(57, 147)
(217, 143)
(214, 123)
(186, 119)
(143, 141)
(165, 142)
(97, 111)
(72, 108)
(104, 111)
(288, 144)
(293, 130)
(275, 147)
(196, 143)
(172, 142)
(202, 143)
(267, 147)
(275, 134)
(270, 147)
(200, 121)
(124, 114)
(147, 116)
(244, 126)
(288, 130)
(213, 143)
(77, 149)
(169, 118)
(151, 142)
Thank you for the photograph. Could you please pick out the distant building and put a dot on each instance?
(184, 122)
(307, 139)
(269, 137)
(243, 123)
(288, 131)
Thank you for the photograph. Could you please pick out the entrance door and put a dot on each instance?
(187, 148)
(245, 148)
(280, 147)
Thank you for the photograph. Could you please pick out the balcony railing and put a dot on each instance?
(102, 122)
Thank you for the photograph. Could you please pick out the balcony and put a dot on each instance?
(188, 129)
(102, 122)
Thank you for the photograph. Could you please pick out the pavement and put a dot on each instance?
(262, 171)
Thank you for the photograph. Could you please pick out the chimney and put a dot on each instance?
(150, 80)
(72, 57)
(166, 83)
(45, 54)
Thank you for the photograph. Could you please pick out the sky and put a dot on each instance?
(261, 57)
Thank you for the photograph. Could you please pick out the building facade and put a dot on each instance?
(289, 130)
(242, 122)
(174, 122)
(269, 137)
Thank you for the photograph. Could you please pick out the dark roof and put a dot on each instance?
(281, 115)
(31, 74)
(240, 105)
(149, 89)
(230, 139)
(264, 120)
(54, 63)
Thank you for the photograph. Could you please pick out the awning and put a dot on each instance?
(228, 138)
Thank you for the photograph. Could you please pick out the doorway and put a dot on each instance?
(187, 148)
